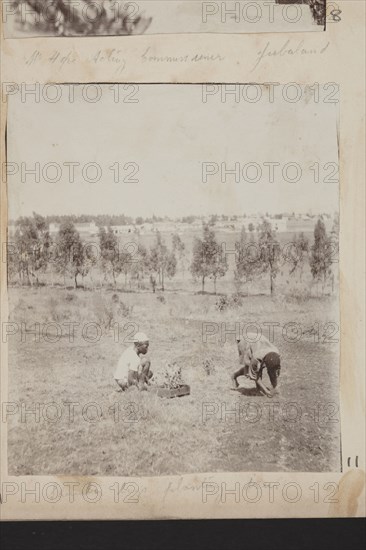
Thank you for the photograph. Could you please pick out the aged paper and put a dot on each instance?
(163, 124)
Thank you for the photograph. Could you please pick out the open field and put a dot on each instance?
(141, 434)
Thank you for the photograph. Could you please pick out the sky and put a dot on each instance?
(164, 139)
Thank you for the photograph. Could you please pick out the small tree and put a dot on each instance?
(207, 260)
(72, 258)
(109, 256)
(170, 266)
(246, 259)
(137, 264)
(320, 257)
(161, 262)
(32, 248)
(43, 247)
(12, 261)
(86, 260)
(269, 252)
(154, 263)
(219, 268)
(297, 254)
(179, 248)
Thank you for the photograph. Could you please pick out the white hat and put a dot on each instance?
(140, 337)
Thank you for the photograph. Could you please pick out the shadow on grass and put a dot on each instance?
(250, 392)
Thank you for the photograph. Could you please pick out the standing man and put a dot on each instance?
(255, 355)
(133, 368)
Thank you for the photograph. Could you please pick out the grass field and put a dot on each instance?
(137, 433)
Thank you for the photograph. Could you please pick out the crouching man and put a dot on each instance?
(133, 368)
(254, 356)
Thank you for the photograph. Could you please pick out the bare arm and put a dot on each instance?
(122, 384)
(263, 388)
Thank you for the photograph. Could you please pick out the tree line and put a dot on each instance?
(33, 253)
(103, 219)
(258, 253)
(122, 219)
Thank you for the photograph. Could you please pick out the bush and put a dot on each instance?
(124, 310)
(236, 300)
(161, 298)
(103, 311)
(226, 302)
(108, 311)
(296, 296)
(169, 376)
(208, 366)
(222, 303)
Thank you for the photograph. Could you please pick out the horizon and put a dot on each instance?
(179, 218)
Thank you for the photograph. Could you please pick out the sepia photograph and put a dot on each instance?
(27, 18)
(173, 285)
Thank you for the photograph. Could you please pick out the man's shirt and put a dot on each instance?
(129, 360)
(252, 353)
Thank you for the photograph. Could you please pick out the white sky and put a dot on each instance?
(169, 133)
